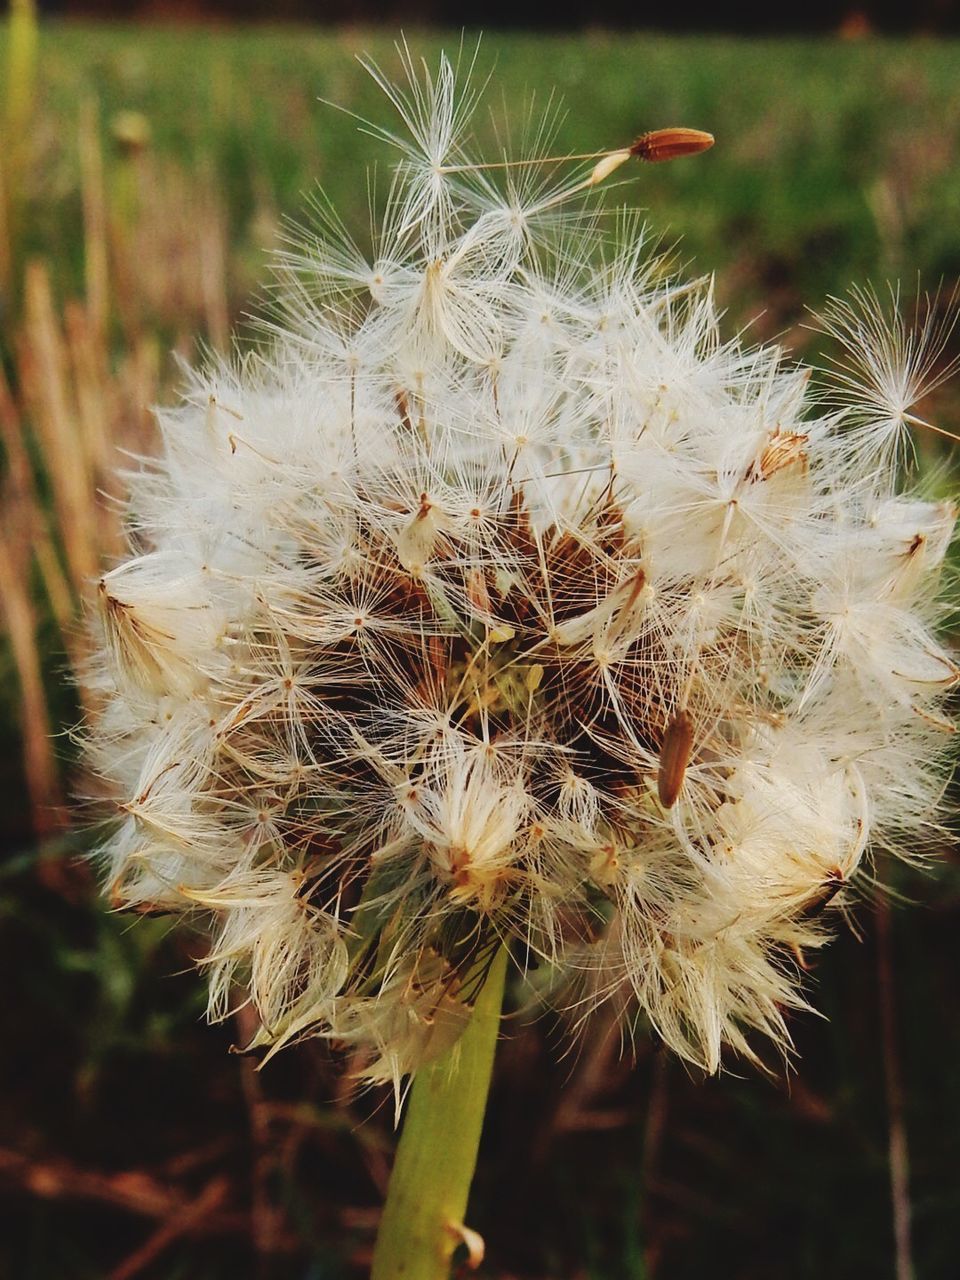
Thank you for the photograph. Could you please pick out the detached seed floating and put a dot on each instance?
(654, 147)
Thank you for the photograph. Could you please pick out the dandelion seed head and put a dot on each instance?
(499, 600)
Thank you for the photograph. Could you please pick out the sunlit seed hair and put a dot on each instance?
(499, 600)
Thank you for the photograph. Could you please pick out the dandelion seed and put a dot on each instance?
(885, 365)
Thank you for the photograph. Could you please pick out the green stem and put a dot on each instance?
(437, 1154)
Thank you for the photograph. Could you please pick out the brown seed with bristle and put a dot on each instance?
(785, 449)
(668, 144)
(834, 882)
(675, 751)
(403, 407)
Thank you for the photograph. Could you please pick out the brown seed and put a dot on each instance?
(403, 408)
(824, 895)
(675, 751)
(636, 586)
(478, 596)
(668, 144)
(784, 450)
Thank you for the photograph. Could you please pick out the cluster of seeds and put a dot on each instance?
(498, 601)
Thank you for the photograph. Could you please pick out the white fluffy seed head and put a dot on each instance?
(499, 600)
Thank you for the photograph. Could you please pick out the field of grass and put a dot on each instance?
(833, 160)
(154, 173)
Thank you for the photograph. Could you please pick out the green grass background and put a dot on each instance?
(834, 163)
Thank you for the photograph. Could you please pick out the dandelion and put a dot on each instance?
(499, 605)
(885, 366)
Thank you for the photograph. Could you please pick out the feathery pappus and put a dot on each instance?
(498, 599)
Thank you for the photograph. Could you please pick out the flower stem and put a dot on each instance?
(437, 1154)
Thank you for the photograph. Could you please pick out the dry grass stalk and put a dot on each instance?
(134, 1191)
(25, 510)
(178, 1224)
(169, 252)
(95, 237)
(24, 535)
(89, 367)
(6, 247)
(79, 410)
(44, 374)
(39, 763)
(212, 247)
(898, 1147)
(156, 255)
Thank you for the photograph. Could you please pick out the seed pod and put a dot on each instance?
(403, 408)
(477, 594)
(655, 146)
(825, 894)
(675, 751)
(785, 449)
(668, 144)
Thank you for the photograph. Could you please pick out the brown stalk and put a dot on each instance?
(89, 368)
(104, 406)
(44, 371)
(25, 534)
(6, 248)
(899, 1159)
(39, 763)
(653, 1132)
(25, 510)
(266, 1218)
(138, 389)
(578, 1106)
(131, 1190)
(178, 1224)
(96, 257)
(213, 268)
(19, 473)
(21, 496)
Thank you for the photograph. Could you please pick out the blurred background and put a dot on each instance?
(147, 167)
